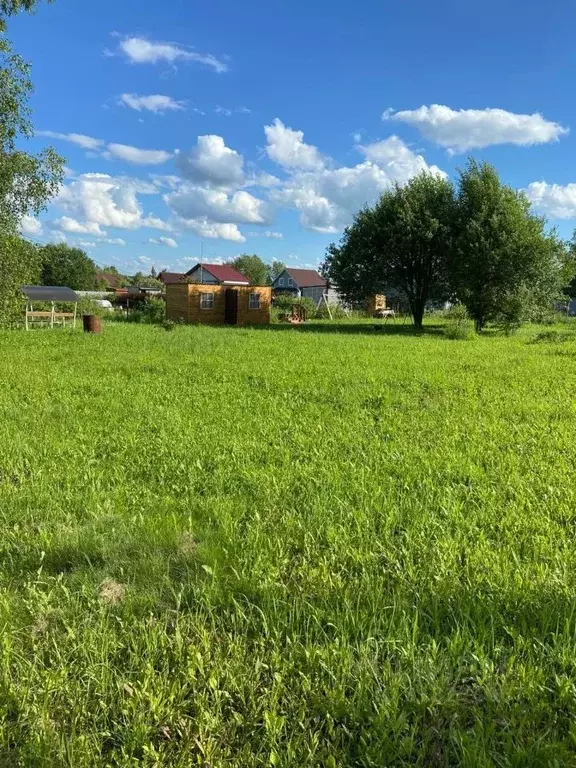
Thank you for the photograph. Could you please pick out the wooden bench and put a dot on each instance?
(50, 316)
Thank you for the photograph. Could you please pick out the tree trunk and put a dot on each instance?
(478, 324)
(418, 314)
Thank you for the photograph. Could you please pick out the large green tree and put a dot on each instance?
(27, 181)
(400, 244)
(503, 264)
(252, 267)
(274, 269)
(63, 265)
(20, 264)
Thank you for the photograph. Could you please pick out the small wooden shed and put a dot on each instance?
(375, 304)
(52, 294)
(217, 304)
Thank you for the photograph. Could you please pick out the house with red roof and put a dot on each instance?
(303, 282)
(216, 274)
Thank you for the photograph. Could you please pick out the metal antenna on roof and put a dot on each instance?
(201, 259)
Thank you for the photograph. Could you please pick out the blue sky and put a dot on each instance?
(261, 128)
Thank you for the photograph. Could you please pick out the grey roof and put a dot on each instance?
(48, 293)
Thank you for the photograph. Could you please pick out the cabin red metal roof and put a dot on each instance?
(223, 273)
(306, 278)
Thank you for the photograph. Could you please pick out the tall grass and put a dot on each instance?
(234, 547)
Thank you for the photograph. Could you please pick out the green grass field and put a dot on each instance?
(277, 547)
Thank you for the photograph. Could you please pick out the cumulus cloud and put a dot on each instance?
(30, 226)
(86, 142)
(397, 160)
(113, 151)
(287, 148)
(114, 241)
(136, 156)
(210, 229)
(212, 162)
(169, 241)
(465, 129)
(139, 50)
(86, 244)
(328, 198)
(556, 201)
(192, 202)
(156, 102)
(69, 224)
(100, 200)
(267, 233)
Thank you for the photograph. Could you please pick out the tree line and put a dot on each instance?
(476, 242)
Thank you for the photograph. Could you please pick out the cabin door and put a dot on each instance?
(231, 307)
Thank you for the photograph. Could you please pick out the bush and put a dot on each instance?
(286, 302)
(552, 337)
(88, 306)
(152, 310)
(459, 326)
(337, 312)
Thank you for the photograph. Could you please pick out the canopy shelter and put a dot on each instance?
(52, 294)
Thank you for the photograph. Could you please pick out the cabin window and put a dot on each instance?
(206, 301)
(281, 282)
(290, 281)
(254, 301)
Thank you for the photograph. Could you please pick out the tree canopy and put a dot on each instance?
(400, 244)
(27, 181)
(20, 264)
(503, 264)
(63, 265)
(478, 244)
(252, 267)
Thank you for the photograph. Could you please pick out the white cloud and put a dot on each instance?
(30, 226)
(226, 112)
(466, 129)
(558, 202)
(268, 233)
(86, 142)
(58, 237)
(287, 147)
(328, 198)
(397, 160)
(169, 241)
(212, 162)
(192, 202)
(104, 201)
(136, 156)
(142, 51)
(85, 244)
(113, 241)
(154, 103)
(205, 228)
(263, 180)
(69, 224)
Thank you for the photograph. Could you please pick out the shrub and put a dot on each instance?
(337, 312)
(459, 325)
(152, 310)
(552, 337)
(286, 302)
(87, 306)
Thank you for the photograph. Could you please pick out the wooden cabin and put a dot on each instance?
(218, 304)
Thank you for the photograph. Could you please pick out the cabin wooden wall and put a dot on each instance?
(183, 303)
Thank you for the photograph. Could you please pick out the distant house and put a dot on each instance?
(304, 283)
(109, 279)
(170, 278)
(216, 274)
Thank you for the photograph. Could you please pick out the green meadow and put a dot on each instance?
(325, 546)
